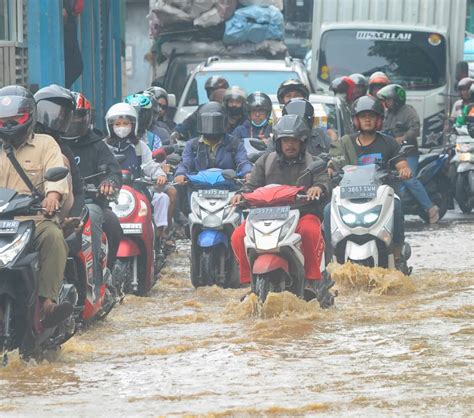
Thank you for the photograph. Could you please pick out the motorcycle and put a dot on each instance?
(211, 223)
(20, 305)
(464, 161)
(96, 298)
(362, 217)
(271, 243)
(136, 267)
(254, 148)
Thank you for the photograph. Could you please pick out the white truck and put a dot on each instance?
(417, 43)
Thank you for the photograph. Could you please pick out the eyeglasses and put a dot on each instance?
(14, 120)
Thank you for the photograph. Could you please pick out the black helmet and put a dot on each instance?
(367, 104)
(395, 92)
(292, 85)
(238, 94)
(215, 82)
(211, 120)
(291, 126)
(259, 101)
(17, 114)
(158, 92)
(302, 108)
(82, 118)
(55, 105)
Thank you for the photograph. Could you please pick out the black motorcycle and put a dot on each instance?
(20, 306)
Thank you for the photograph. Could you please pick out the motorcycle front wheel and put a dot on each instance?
(273, 282)
(462, 192)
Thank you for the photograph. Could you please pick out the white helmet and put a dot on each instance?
(118, 111)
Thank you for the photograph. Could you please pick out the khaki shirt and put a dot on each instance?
(36, 156)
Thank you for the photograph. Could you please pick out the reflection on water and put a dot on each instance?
(393, 345)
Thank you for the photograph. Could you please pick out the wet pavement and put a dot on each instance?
(392, 346)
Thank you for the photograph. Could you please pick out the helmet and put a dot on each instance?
(215, 82)
(364, 104)
(211, 119)
(158, 92)
(302, 108)
(81, 119)
(471, 92)
(235, 93)
(155, 105)
(121, 111)
(17, 114)
(144, 108)
(361, 85)
(377, 79)
(395, 92)
(259, 101)
(292, 85)
(55, 106)
(291, 126)
(343, 85)
(465, 83)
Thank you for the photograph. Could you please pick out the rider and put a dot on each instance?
(292, 89)
(259, 124)
(235, 103)
(36, 153)
(461, 119)
(285, 166)
(463, 87)
(213, 148)
(91, 152)
(55, 106)
(403, 123)
(361, 85)
(377, 81)
(122, 127)
(345, 87)
(187, 129)
(161, 95)
(368, 146)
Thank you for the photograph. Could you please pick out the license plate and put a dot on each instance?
(213, 194)
(9, 227)
(276, 213)
(131, 228)
(359, 192)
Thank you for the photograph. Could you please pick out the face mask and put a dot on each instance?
(234, 111)
(122, 131)
(259, 125)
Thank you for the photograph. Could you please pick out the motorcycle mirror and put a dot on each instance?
(257, 144)
(254, 157)
(56, 174)
(120, 158)
(229, 174)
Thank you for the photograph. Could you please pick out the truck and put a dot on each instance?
(417, 43)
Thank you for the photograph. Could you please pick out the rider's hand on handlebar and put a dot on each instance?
(247, 177)
(51, 203)
(161, 180)
(106, 189)
(180, 179)
(314, 193)
(236, 199)
(405, 173)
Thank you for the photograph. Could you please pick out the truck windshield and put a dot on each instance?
(250, 81)
(416, 60)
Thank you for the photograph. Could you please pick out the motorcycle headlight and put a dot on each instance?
(286, 227)
(371, 216)
(9, 252)
(348, 217)
(125, 204)
(365, 219)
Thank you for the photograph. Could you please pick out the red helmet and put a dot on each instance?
(378, 80)
(82, 118)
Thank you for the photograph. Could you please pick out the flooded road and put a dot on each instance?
(393, 345)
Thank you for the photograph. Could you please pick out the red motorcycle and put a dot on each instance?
(136, 266)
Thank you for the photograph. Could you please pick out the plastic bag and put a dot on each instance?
(254, 24)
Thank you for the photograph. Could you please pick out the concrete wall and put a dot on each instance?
(137, 45)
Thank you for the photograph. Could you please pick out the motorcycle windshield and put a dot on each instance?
(359, 182)
(273, 195)
(210, 178)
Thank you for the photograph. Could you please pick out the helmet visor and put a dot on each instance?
(80, 123)
(54, 116)
(12, 107)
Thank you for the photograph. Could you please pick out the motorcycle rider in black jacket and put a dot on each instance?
(90, 153)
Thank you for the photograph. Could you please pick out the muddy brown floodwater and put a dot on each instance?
(392, 346)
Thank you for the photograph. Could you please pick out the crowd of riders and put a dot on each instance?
(56, 127)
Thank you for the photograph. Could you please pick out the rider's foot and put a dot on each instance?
(433, 214)
(55, 313)
(319, 289)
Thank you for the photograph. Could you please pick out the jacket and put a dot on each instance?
(409, 125)
(229, 154)
(90, 151)
(247, 130)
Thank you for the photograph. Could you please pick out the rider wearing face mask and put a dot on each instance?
(259, 124)
(235, 103)
(122, 127)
